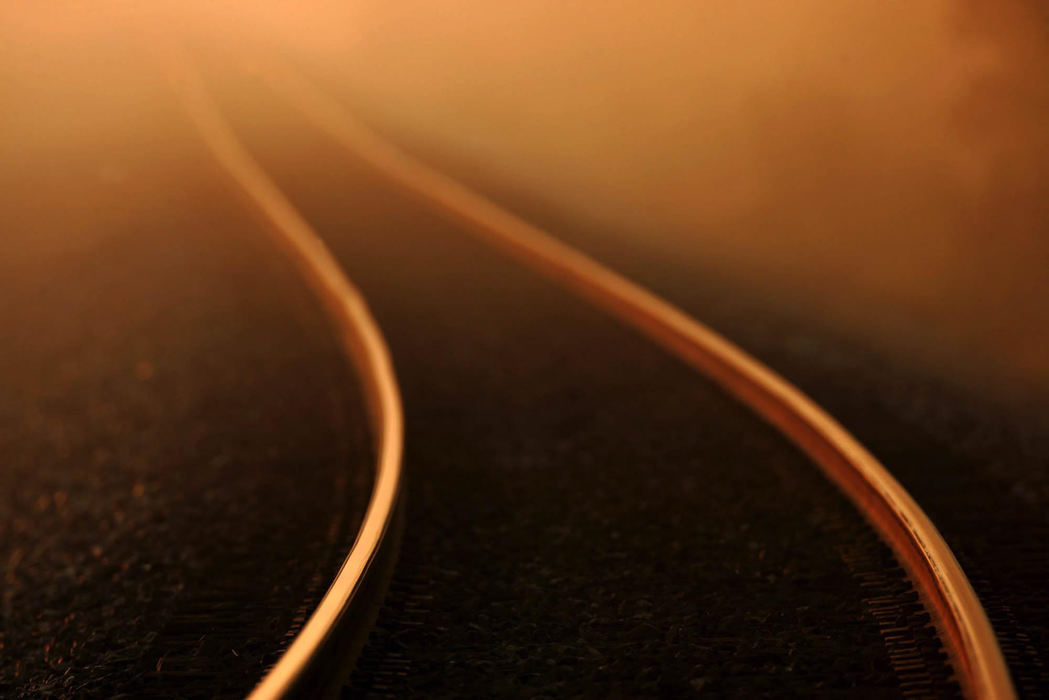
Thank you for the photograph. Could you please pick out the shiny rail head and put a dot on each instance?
(311, 654)
(917, 543)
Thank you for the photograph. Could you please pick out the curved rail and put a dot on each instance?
(890, 509)
(360, 337)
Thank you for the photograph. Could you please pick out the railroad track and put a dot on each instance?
(943, 586)
(363, 342)
(588, 513)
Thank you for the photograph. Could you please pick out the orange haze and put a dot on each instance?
(884, 162)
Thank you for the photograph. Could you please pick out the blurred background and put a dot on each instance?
(853, 191)
(882, 166)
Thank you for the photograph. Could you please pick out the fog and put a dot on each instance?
(883, 163)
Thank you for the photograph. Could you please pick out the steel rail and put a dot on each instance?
(360, 337)
(931, 564)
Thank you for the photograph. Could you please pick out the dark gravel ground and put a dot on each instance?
(978, 463)
(975, 457)
(184, 456)
(585, 516)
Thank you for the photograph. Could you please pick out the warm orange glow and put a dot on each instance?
(893, 153)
